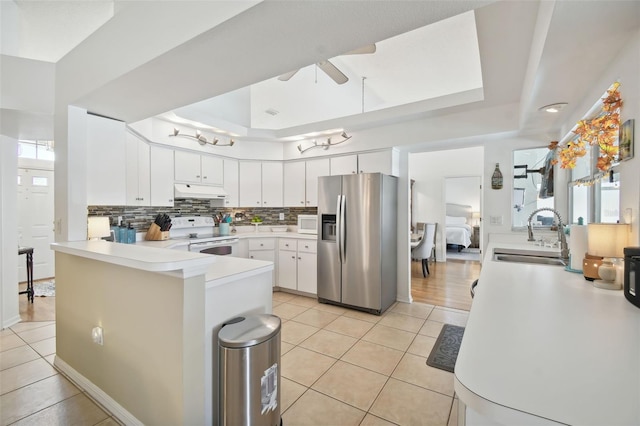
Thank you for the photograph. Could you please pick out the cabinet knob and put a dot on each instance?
(264, 202)
(261, 244)
(286, 245)
(306, 246)
(293, 257)
(258, 202)
(227, 201)
(197, 176)
(299, 258)
(301, 202)
(170, 200)
(251, 257)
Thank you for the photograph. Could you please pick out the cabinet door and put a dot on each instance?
(307, 272)
(161, 172)
(250, 184)
(212, 170)
(314, 169)
(287, 272)
(231, 183)
(375, 162)
(345, 165)
(268, 255)
(106, 170)
(272, 184)
(187, 167)
(294, 184)
(137, 172)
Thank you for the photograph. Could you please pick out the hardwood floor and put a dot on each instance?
(447, 284)
(42, 308)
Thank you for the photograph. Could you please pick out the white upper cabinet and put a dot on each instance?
(294, 184)
(379, 162)
(161, 176)
(272, 176)
(212, 170)
(195, 168)
(344, 165)
(106, 169)
(231, 183)
(250, 184)
(314, 169)
(138, 178)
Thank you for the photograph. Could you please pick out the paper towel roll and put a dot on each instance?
(577, 245)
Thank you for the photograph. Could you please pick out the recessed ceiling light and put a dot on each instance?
(553, 108)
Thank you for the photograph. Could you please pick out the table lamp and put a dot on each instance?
(607, 240)
(98, 227)
(476, 217)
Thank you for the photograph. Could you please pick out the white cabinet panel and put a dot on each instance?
(161, 172)
(272, 184)
(106, 169)
(264, 249)
(376, 162)
(187, 167)
(212, 170)
(315, 169)
(287, 269)
(307, 272)
(294, 184)
(344, 165)
(250, 184)
(231, 183)
(298, 265)
(137, 174)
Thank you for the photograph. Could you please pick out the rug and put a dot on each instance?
(465, 254)
(445, 351)
(44, 289)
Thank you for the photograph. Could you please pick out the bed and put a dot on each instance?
(457, 229)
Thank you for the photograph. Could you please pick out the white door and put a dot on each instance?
(231, 183)
(272, 177)
(344, 165)
(315, 169)
(187, 167)
(250, 184)
(294, 184)
(35, 221)
(212, 170)
(161, 173)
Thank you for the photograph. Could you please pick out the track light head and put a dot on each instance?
(215, 141)
(300, 148)
(175, 131)
(231, 142)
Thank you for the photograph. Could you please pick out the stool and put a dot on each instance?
(28, 251)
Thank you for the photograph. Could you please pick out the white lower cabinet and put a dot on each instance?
(297, 265)
(264, 249)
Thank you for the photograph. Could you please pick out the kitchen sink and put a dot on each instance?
(538, 257)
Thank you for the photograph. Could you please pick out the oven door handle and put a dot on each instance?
(200, 246)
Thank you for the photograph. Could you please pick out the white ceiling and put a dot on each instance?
(173, 58)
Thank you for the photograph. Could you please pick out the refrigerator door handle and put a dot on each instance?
(338, 225)
(343, 220)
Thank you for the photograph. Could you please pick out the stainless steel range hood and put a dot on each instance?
(203, 192)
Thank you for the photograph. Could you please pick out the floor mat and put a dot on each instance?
(445, 351)
(44, 289)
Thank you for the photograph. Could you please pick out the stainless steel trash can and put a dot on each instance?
(249, 367)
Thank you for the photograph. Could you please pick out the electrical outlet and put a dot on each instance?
(96, 336)
(495, 220)
(281, 216)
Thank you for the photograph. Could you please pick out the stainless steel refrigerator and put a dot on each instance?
(357, 230)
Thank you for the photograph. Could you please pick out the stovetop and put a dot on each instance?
(196, 229)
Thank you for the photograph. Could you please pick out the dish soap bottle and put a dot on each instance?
(496, 178)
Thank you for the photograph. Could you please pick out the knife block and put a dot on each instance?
(155, 234)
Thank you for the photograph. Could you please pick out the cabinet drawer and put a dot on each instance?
(261, 244)
(287, 244)
(307, 246)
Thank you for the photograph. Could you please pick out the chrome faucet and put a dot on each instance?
(564, 248)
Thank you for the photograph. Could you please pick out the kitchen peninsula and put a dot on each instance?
(159, 312)
(544, 346)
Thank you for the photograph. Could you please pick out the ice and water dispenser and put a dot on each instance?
(328, 227)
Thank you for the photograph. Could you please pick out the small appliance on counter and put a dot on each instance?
(307, 224)
(631, 275)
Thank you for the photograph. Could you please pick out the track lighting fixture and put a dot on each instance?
(201, 139)
(325, 145)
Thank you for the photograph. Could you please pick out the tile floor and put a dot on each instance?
(339, 367)
(345, 367)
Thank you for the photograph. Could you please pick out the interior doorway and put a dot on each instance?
(463, 195)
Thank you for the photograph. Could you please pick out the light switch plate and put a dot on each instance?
(495, 220)
(281, 216)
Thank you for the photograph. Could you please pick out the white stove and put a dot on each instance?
(200, 231)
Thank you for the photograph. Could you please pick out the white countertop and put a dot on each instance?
(543, 345)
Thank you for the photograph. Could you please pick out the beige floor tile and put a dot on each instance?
(449, 316)
(304, 366)
(406, 404)
(418, 310)
(350, 326)
(50, 358)
(37, 334)
(371, 420)
(431, 328)
(25, 374)
(33, 398)
(402, 322)
(313, 408)
(24, 326)
(287, 310)
(45, 347)
(295, 332)
(285, 347)
(363, 316)
(109, 422)
(453, 415)
(289, 393)
(315, 317)
(281, 296)
(17, 356)
(414, 369)
(329, 343)
(373, 357)
(351, 384)
(10, 341)
(390, 337)
(6, 332)
(331, 308)
(77, 410)
(422, 345)
(310, 302)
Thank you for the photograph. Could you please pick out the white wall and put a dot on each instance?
(464, 191)
(9, 312)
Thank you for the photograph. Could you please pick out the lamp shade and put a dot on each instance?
(607, 239)
(98, 227)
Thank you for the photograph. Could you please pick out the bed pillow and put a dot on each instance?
(456, 220)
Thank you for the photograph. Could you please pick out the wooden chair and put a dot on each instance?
(425, 249)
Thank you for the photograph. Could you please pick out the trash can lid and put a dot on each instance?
(243, 332)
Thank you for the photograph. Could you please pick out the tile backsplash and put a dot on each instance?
(142, 217)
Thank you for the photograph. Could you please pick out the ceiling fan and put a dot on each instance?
(331, 70)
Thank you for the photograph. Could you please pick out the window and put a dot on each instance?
(39, 181)
(40, 150)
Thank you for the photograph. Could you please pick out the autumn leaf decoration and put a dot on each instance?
(601, 130)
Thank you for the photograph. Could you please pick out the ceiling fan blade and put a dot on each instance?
(333, 72)
(287, 76)
(369, 48)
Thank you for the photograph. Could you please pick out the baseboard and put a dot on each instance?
(115, 409)
(11, 321)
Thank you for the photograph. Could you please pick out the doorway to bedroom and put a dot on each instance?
(462, 219)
